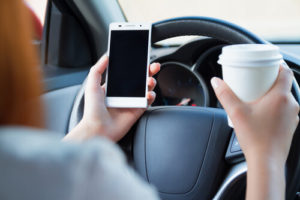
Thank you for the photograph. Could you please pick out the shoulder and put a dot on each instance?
(37, 159)
(27, 142)
(42, 149)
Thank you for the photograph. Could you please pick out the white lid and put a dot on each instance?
(250, 55)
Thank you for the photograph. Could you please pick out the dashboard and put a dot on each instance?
(184, 79)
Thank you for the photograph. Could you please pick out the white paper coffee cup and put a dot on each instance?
(250, 69)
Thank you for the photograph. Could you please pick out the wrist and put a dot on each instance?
(265, 155)
(92, 129)
(265, 161)
(77, 134)
(265, 178)
(83, 131)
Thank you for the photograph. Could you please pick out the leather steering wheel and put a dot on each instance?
(181, 150)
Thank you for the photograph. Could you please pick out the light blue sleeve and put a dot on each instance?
(36, 165)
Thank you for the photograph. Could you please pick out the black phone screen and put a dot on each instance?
(127, 63)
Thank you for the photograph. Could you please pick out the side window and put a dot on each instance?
(38, 11)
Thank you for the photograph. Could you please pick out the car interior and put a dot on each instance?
(182, 144)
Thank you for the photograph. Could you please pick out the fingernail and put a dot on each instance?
(103, 57)
(154, 81)
(215, 82)
(153, 94)
(283, 63)
(92, 68)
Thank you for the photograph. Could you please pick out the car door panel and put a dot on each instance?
(58, 105)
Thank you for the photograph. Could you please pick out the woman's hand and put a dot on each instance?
(97, 119)
(264, 129)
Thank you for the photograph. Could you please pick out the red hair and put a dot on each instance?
(20, 77)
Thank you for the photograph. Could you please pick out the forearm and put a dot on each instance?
(265, 179)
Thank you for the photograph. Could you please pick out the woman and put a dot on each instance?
(88, 166)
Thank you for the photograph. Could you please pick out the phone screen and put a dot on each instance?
(128, 54)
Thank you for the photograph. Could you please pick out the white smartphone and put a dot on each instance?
(127, 73)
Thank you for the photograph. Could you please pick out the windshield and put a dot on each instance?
(274, 20)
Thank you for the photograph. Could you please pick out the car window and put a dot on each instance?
(277, 20)
(38, 11)
(38, 7)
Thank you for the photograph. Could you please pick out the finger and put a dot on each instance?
(151, 83)
(284, 80)
(104, 87)
(151, 97)
(101, 64)
(95, 74)
(295, 104)
(230, 102)
(154, 69)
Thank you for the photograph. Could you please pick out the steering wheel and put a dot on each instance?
(181, 150)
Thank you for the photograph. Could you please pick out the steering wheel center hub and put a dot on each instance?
(188, 139)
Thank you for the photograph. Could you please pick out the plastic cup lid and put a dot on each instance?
(250, 55)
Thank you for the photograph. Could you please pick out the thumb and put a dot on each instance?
(95, 74)
(230, 102)
(101, 64)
